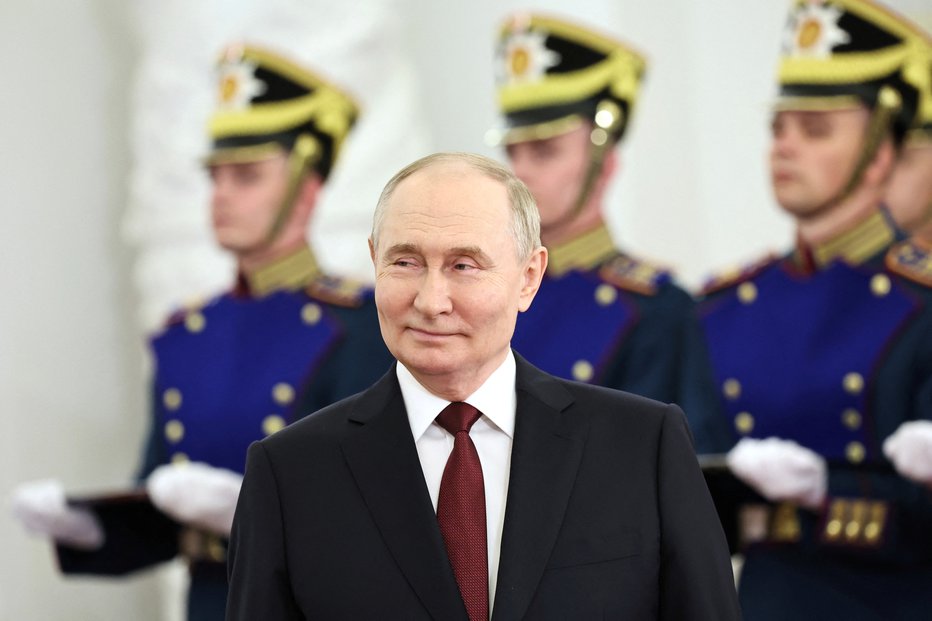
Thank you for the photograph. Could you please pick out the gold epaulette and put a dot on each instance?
(630, 274)
(337, 291)
(911, 259)
(735, 276)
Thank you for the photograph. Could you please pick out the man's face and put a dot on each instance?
(909, 194)
(554, 170)
(812, 156)
(245, 200)
(449, 284)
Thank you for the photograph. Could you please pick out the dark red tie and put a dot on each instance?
(461, 511)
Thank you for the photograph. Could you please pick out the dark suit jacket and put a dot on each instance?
(607, 516)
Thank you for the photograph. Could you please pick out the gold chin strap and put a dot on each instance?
(888, 105)
(608, 118)
(301, 161)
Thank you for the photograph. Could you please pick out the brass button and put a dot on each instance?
(194, 322)
(174, 431)
(852, 530)
(180, 458)
(853, 383)
(172, 399)
(272, 423)
(880, 285)
(744, 423)
(215, 550)
(851, 419)
(872, 531)
(833, 529)
(582, 371)
(747, 292)
(855, 452)
(311, 313)
(282, 393)
(605, 294)
(731, 388)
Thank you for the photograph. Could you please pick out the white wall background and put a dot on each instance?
(103, 223)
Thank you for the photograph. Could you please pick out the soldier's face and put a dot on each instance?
(554, 171)
(812, 156)
(909, 195)
(245, 200)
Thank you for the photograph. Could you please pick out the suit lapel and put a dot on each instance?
(382, 456)
(545, 456)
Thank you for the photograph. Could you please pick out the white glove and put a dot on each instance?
(195, 493)
(910, 450)
(40, 507)
(781, 470)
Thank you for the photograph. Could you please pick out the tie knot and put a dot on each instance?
(458, 416)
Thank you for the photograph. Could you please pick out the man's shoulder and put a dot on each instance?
(595, 401)
(340, 292)
(636, 276)
(734, 278)
(324, 426)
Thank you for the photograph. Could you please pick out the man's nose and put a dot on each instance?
(784, 143)
(433, 295)
(219, 190)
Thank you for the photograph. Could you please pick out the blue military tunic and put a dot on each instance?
(605, 318)
(286, 342)
(831, 347)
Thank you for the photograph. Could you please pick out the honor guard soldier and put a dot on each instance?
(823, 353)
(909, 195)
(601, 316)
(285, 341)
(910, 199)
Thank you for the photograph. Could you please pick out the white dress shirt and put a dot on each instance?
(492, 434)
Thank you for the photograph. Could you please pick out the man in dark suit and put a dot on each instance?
(546, 499)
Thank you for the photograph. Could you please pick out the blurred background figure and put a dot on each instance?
(910, 200)
(821, 354)
(285, 341)
(567, 95)
(909, 195)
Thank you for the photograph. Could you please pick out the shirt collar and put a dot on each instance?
(496, 399)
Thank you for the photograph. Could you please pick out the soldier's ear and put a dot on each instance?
(309, 193)
(611, 163)
(881, 168)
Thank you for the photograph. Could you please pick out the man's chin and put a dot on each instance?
(429, 364)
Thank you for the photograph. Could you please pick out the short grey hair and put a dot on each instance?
(525, 219)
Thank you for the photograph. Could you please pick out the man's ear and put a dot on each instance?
(307, 197)
(611, 163)
(881, 167)
(372, 251)
(534, 270)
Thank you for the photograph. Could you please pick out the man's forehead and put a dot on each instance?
(444, 192)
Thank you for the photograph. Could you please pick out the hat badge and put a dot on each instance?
(812, 31)
(238, 85)
(526, 57)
